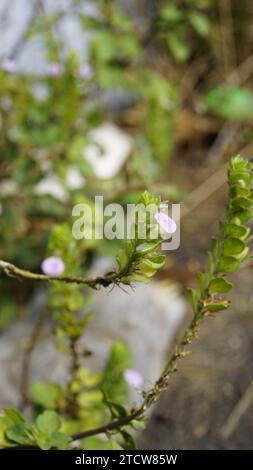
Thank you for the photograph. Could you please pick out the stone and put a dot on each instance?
(148, 320)
(107, 150)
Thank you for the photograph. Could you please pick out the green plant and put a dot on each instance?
(90, 405)
(180, 20)
(44, 134)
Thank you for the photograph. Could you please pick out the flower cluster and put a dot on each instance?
(53, 69)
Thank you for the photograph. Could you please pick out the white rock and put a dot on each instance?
(8, 187)
(108, 149)
(51, 186)
(148, 320)
(74, 179)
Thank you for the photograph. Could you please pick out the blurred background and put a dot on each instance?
(111, 98)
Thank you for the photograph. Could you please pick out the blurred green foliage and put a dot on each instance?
(44, 130)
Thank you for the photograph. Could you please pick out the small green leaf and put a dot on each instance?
(220, 285)
(128, 440)
(48, 422)
(237, 104)
(147, 247)
(155, 262)
(237, 190)
(113, 384)
(243, 215)
(232, 246)
(242, 202)
(178, 46)
(200, 23)
(228, 264)
(121, 259)
(14, 415)
(116, 409)
(59, 440)
(140, 278)
(193, 297)
(19, 433)
(46, 394)
(146, 269)
(112, 445)
(216, 307)
(237, 231)
(215, 247)
(171, 14)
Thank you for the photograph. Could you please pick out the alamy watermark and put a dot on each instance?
(114, 221)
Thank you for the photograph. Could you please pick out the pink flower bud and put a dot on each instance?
(9, 65)
(133, 378)
(52, 266)
(167, 224)
(86, 71)
(54, 69)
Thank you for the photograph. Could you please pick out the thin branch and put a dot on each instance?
(107, 280)
(151, 397)
(25, 369)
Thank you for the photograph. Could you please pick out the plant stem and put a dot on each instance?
(25, 370)
(107, 280)
(161, 384)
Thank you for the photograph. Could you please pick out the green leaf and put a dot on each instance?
(171, 14)
(148, 199)
(243, 202)
(228, 264)
(193, 297)
(216, 307)
(41, 439)
(241, 178)
(48, 422)
(59, 440)
(215, 247)
(46, 394)
(112, 445)
(237, 190)
(140, 278)
(231, 103)
(146, 269)
(200, 23)
(233, 246)
(128, 440)
(19, 433)
(155, 262)
(11, 417)
(242, 215)
(178, 46)
(116, 409)
(220, 285)
(113, 384)
(237, 231)
(121, 259)
(14, 415)
(147, 247)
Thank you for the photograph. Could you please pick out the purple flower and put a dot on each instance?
(133, 378)
(86, 71)
(54, 69)
(9, 65)
(167, 224)
(52, 266)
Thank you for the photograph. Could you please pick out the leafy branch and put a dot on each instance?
(137, 261)
(228, 251)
